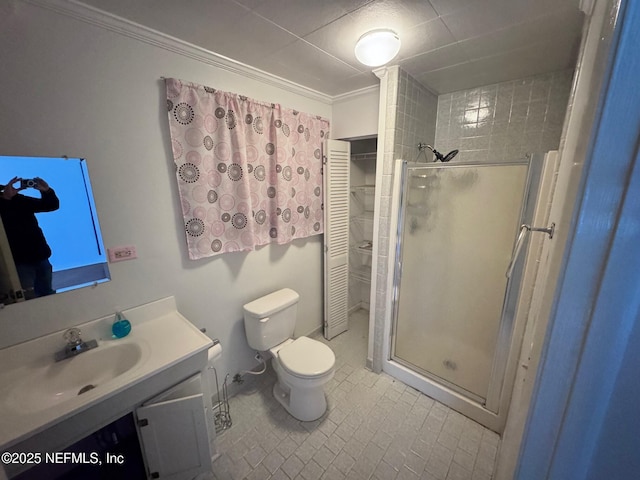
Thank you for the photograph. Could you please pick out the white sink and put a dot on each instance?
(46, 386)
(37, 393)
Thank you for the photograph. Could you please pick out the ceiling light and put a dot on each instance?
(377, 47)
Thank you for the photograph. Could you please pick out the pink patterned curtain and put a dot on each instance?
(249, 173)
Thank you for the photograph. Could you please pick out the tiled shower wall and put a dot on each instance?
(415, 118)
(410, 119)
(504, 121)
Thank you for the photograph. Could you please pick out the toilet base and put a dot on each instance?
(305, 404)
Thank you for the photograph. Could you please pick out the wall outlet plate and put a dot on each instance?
(123, 252)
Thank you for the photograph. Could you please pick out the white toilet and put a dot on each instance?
(303, 365)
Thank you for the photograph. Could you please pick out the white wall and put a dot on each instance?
(72, 88)
(356, 115)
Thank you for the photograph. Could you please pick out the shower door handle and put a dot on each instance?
(524, 229)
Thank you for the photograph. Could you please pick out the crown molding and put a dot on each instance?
(356, 93)
(94, 16)
(380, 72)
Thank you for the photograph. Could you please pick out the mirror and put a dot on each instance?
(48, 217)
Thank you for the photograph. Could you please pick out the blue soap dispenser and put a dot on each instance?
(121, 326)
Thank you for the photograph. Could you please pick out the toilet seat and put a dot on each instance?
(306, 358)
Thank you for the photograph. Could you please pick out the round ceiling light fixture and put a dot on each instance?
(377, 47)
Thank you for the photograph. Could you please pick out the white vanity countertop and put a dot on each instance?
(160, 336)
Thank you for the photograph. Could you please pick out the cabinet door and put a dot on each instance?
(336, 237)
(174, 438)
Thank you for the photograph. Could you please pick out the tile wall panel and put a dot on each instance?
(504, 121)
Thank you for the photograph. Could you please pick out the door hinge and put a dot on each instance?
(324, 159)
(154, 475)
(143, 422)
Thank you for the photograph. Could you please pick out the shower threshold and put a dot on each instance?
(436, 389)
(441, 381)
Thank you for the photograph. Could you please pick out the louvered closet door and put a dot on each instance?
(336, 237)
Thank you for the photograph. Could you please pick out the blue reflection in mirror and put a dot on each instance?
(72, 231)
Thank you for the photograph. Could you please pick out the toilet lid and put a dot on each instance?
(305, 357)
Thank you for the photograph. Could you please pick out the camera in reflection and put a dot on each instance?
(28, 183)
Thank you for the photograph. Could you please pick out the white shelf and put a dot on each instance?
(365, 247)
(366, 189)
(362, 274)
(362, 193)
(366, 216)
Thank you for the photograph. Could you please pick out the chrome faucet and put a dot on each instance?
(75, 345)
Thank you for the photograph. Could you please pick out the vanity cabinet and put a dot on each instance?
(174, 432)
(161, 388)
(119, 440)
(168, 437)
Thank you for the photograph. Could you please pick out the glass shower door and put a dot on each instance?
(458, 225)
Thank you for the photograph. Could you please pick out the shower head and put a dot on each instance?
(438, 155)
(443, 158)
(449, 156)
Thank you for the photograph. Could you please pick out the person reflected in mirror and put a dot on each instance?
(28, 244)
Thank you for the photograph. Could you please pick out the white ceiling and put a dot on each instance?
(447, 45)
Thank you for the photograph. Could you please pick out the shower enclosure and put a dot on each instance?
(453, 305)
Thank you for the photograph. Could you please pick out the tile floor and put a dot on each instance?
(375, 428)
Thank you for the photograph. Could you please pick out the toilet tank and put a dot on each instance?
(270, 320)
